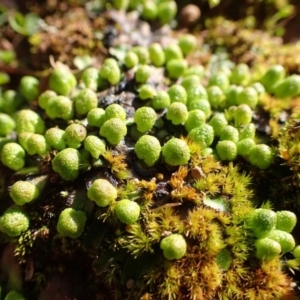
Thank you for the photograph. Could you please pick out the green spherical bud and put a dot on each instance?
(177, 93)
(218, 122)
(202, 104)
(90, 77)
(36, 144)
(198, 70)
(220, 79)
(75, 135)
(96, 117)
(285, 239)
(102, 192)
(187, 43)
(110, 71)
(247, 132)
(71, 223)
(240, 74)
(55, 138)
(226, 150)
(157, 55)
(229, 133)
(288, 87)
(120, 4)
(131, 59)
(202, 135)
(145, 118)
(173, 52)
(196, 93)
(242, 115)
(176, 67)
(286, 220)
(261, 156)
(13, 156)
(147, 91)
(14, 221)
(23, 192)
(296, 252)
(67, 163)
(247, 96)
(142, 53)
(23, 138)
(29, 121)
(60, 107)
(267, 249)
(115, 111)
(244, 146)
(231, 95)
(166, 11)
(196, 118)
(127, 211)
(29, 88)
(85, 100)
(149, 11)
(262, 221)
(161, 100)
(148, 149)
(174, 246)
(44, 98)
(216, 96)
(142, 73)
(177, 113)
(176, 152)
(274, 75)
(113, 130)
(10, 101)
(62, 81)
(190, 81)
(7, 124)
(260, 89)
(94, 145)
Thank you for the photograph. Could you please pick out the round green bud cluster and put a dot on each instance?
(29, 88)
(229, 133)
(202, 135)
(191, 81)
(147, 91)
(157, 55)
(45, 97)
(7, 124)
(198, 70)
(216, 97)
(242, 115)
(142, 53)
(187, 43)
(196, 118)
(55, 138)
(14, 221)
(166, 11)
(13, 156)
(36, 144)
(90, 77)
(231, 94)
(288, 87)
(10, 101)
(29, 121)
(102, 192)
(142, 73)
(131, 59)
(67, 163)
(240, 75)
(23, 192)
(248, 96)
(75, 135)
(96, 117)
(177, 93)
(120, 4)
(161, 100)
(296, 251)
(177, 113)
(115, 111)
(261, 156)
(226, 150)
(94, 145)
(85, 100)
(148, 149)
(71, 223)
(145, 118)
(173, 52)
(202, 104)
(262, 221)
(176, 152)
(218, 122)
(220, 79)
(127, 211)
(176, 67)
(60, 107)
(267, 249)
(174, 246)
(113, 130)
(286, 220)
(62, 81)
(149, 11)
(285, 240)
(196, 93)
(274, 75)
(244, 146)
(247, 132)
(110, 71)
